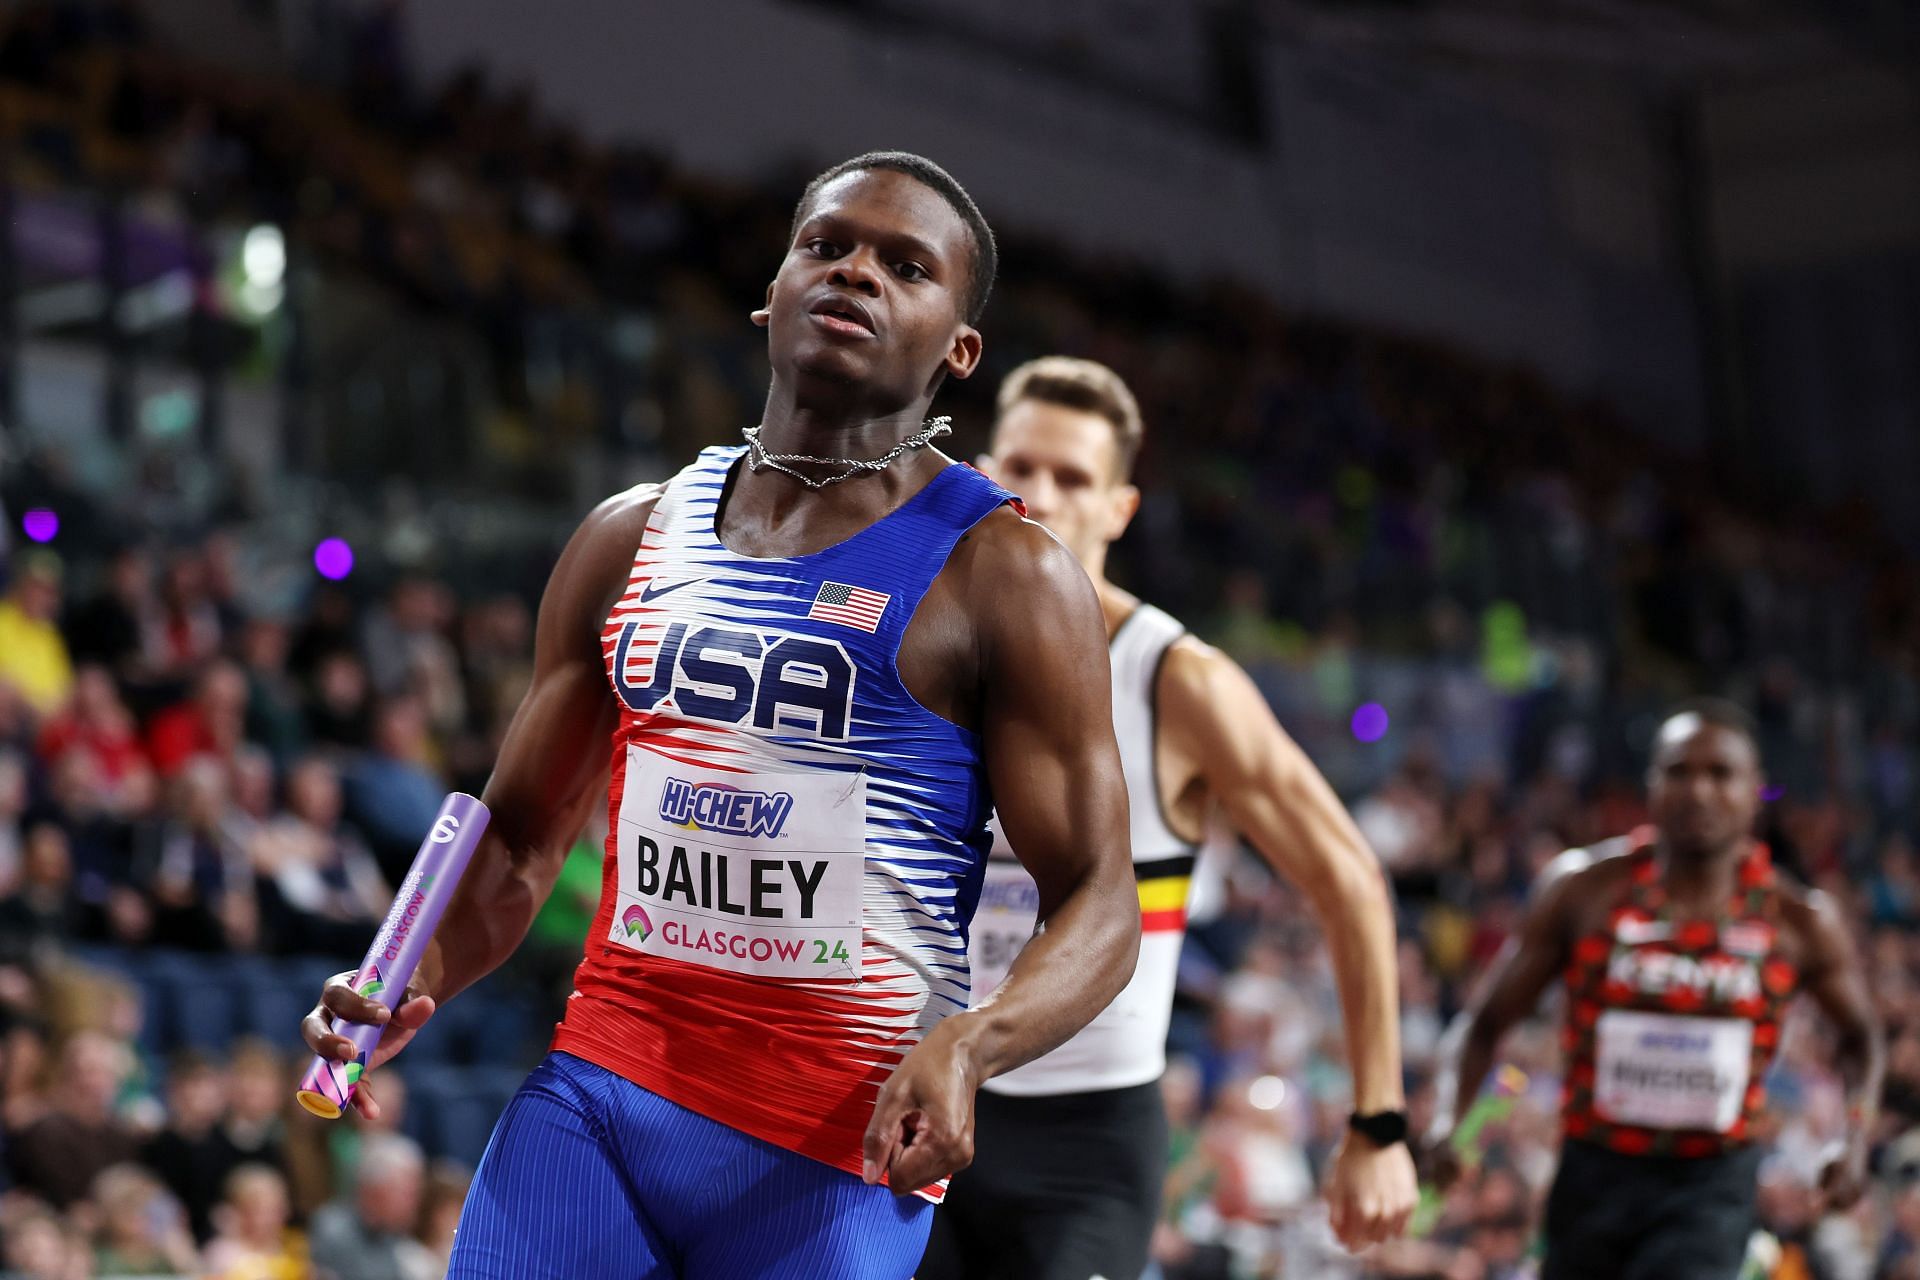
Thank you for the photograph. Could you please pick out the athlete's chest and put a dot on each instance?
(1734, 968)
(1639, 955)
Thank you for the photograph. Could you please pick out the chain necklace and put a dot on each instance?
(758, 457)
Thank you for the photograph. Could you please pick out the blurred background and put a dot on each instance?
(1510, 370)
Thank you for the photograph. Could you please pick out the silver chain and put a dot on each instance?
(758, 457)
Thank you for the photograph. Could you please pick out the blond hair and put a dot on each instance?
(1086, 385)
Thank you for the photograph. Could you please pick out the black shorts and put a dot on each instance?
(1061, 1188)
(1617, 1217)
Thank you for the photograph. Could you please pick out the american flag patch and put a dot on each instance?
(849, 606)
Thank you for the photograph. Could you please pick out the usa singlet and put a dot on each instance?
(795, 844)
(1126, 1044)
(1671, 1026)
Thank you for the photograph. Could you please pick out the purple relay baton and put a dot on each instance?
(329, 1085)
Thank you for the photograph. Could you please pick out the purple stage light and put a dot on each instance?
(1771, 793)
(1370, 722)
(40, 524)
(333, 558)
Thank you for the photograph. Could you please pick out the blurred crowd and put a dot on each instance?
(1520, 580)
(177, 775)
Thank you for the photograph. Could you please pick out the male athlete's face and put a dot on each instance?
(1065, 465)
(1703, 787)
(871, 299)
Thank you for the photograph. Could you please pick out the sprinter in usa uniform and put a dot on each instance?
(814, 656)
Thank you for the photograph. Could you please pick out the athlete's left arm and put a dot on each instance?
(1046, 724)
(1833, 976)
(1212, 713)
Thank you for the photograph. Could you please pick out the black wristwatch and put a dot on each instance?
(1382, 1128)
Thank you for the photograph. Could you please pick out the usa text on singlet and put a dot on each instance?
(1126, 1044)
(795, 843)
(1671, 1025)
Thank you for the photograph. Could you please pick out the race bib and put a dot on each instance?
(1668, 1072)
(758, 874)
(1009, 909)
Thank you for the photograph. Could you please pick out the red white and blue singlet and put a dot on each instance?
(795, 844)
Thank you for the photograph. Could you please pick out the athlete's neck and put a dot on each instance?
(1702, 878)
(840, 423)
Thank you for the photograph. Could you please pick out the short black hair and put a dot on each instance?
(1721, 713)
(984, 262)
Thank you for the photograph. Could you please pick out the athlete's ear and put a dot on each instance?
(764, 316)
(1125, 502)
(964, 357)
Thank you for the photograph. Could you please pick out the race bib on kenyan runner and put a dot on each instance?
(758, 873)
(1003, 924)
(1666, 1072)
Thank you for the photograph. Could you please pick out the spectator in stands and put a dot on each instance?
(23, 1065)
(33, 653)
(339, 705)
(392, 791)
(59, 1155)
(142, 1230)
(255, 784)
(327, 626)
(1895, 891)
(211, 723)
(198, 875)
(110, 888)
(440, 1206)
(220, 579)
(326, 890)
(370, 1235)
(42, 914)
(257, 1101)
(117, 627)
(347, 1143)
(1900, 1252)
(13, 810)
(97, 723)
(255, 1241)
(38, 1246)
(407, 649)
(497, 643)
(191, 627)
(192, 1154)
(274, 718)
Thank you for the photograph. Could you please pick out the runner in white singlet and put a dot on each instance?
(1070, 1149)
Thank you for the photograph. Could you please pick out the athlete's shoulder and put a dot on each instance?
(1814, 914)
(1200, 671)
(1009, 558)
(1208, 700)
(1576, 889)
(620, 520)
(1588, 865)
(599, 557)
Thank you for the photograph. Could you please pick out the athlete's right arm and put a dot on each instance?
(1046, 718)
(550, 772)
(1060, 799)
(1525, 967)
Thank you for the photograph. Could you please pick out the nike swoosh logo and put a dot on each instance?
(653, 590)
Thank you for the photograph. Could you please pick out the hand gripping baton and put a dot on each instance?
(329, 1084)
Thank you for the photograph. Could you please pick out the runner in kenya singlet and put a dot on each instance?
(1671, 1026)
(795, 844)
